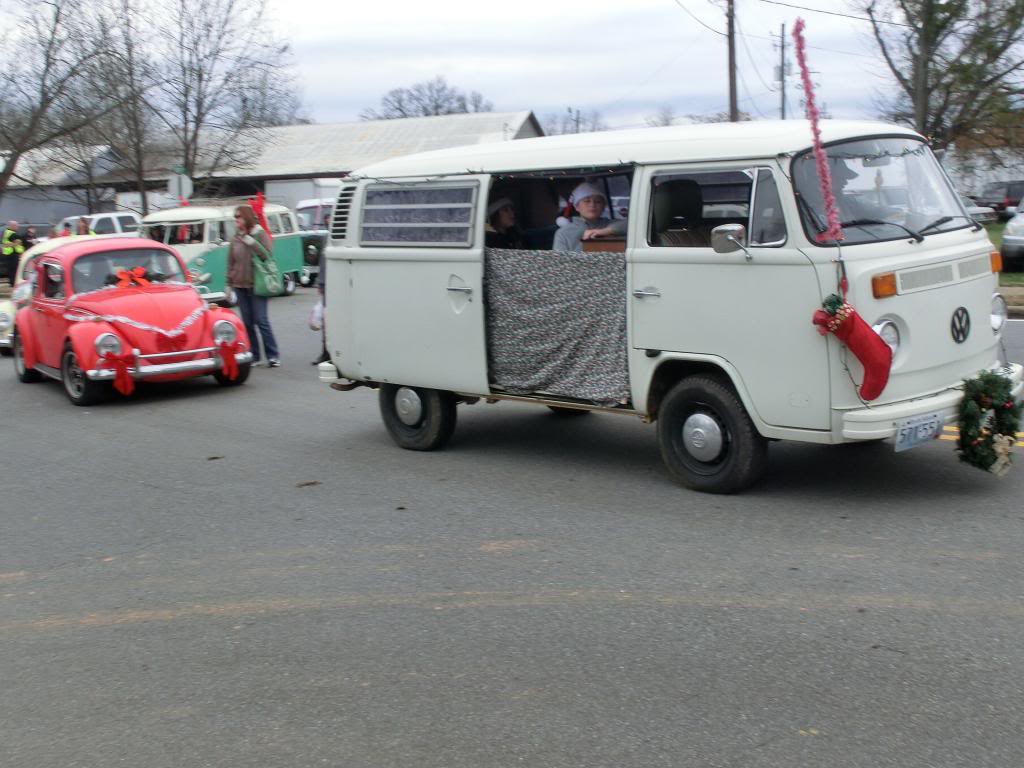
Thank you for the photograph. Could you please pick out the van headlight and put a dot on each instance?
(889, 332)
(224, 332)
(107, 343)
(999, 313)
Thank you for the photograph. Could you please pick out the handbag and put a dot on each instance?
(266, 279)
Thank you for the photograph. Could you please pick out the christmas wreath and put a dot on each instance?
(989, 419)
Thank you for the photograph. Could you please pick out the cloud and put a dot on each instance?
(624, 59)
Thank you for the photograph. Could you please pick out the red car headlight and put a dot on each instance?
(107, 343)
(224, 332)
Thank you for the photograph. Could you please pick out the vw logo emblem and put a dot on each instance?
(960, 326)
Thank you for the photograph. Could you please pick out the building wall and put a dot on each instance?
(39, 207)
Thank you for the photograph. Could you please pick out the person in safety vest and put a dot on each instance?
(11, 248)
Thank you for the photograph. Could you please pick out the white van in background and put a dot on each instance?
(314, 217)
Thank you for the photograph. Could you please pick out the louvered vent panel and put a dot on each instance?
(973, 267)
(339, 225)
(915, 280)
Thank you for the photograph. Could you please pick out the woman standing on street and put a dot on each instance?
(250, 240)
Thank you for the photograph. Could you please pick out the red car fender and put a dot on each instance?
(219, 313)
(83, 341)
(24, 330)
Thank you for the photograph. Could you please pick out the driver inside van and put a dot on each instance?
(850, 206)
(590, 203)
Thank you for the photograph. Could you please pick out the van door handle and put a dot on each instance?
(648, 291)
(460, 289)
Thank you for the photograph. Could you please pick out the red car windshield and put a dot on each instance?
(96, 270)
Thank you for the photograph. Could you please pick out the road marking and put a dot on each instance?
(446, 601)
(953, 433)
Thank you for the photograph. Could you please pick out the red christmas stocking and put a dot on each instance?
(842, 319)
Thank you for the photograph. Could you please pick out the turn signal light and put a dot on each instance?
(997, 261)
(883, 285)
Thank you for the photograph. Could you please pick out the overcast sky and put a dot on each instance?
(625, 58)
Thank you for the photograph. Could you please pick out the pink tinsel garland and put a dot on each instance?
(834, 231)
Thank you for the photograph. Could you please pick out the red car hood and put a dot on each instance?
(165, 307)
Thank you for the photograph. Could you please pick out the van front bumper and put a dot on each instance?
(880, 422)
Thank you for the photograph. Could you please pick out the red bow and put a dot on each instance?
(123, 382)
(127, 277)
(229, 365)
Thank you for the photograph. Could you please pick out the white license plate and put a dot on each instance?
(917, 429)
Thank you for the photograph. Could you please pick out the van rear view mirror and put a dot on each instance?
(727, 238)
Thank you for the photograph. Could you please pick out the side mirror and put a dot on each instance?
(54, 273)
(727, 238)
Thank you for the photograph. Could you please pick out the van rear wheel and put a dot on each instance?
(417, 419)
(707, 440)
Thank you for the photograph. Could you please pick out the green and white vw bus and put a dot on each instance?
(202, 233)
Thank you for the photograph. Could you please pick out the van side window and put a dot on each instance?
(421, 214)
(104, 225)
(685, 207)
(767, 224)
(286, 223)
(274, 222)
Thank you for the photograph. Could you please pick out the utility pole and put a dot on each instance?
(734, 114)
(782, 72)
(574, 119)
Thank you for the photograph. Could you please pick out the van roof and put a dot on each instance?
(690, 143)
(203, 212)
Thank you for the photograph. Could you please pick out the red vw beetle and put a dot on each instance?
(119, 310)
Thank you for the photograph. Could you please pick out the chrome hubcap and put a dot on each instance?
(409, 406)
(19, 359)
(702, 437)
(73, 378)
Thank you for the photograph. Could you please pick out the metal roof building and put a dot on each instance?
(48, 188)
(309, 151)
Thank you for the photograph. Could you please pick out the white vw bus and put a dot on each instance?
(699, 318)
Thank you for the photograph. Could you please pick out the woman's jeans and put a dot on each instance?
(254, 315)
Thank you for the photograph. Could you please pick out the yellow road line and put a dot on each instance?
(951, 433)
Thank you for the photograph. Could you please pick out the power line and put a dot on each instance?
(834, 13)
(688, 11)
(750, 56)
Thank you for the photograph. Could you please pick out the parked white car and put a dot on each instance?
(123, 223)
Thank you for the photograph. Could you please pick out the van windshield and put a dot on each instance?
(313, 217)
(177, 233)
(885, 189)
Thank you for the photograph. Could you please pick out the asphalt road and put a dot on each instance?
(256, 577)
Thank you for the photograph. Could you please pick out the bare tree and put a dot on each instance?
(666, 115)
(430, 97)
(958, 65)
(224, 77)
(718, 117)
(47, 55)
(574, 121)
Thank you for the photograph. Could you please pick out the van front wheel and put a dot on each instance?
(707, 440)
(417, 419)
